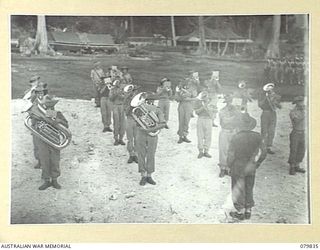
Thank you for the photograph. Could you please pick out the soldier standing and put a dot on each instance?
(213, 87)
(105, 104)
(119, 119)
(97, 75)
(185, 95)
(131, 126)
(164, 93)
(147, 143)
(205, 111)
(49, 156)
(297, 136)
(36, 93)
(126, 76)
(243, 149)
(228, 122)
(269, 101)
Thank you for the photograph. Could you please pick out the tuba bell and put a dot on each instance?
(140, 113)
(46, 128)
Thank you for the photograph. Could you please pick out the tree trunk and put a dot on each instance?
(173, 32)
(131, 26)
(250, 29)
(202, 36)
(225, 48)
(273, 47)
(41, 44)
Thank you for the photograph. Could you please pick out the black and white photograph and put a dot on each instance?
(162, 119)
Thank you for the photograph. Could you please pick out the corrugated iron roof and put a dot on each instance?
(81, 38)
(66, 37)
(100, 39)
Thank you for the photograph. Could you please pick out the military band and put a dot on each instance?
(135, 115)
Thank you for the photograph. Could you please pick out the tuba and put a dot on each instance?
(46, 128)
(144, 117)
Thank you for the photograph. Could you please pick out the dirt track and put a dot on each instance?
(188, 190)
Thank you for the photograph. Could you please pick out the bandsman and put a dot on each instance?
(185, 95)
(126, 76)
(214, 88)
(164, 93)
(97, 75)
(194, 80)
(269, 102)
(34, 94)
(205, 111)
(117, 96)
(297, 135)
(228, 122)
(115, 73)
(131, 126)
(106, 104)
(49, 156)
(147, 142)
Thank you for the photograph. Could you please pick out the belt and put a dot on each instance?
(229, 130)
(298, 131)
(204, 117)
(268, 110)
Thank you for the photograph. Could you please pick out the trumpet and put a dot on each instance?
(182, 90)
(106, 83)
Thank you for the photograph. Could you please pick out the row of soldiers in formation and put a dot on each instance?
(236, 130)
(288, 71)
(238, 144)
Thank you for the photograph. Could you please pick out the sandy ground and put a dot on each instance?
(188, 190)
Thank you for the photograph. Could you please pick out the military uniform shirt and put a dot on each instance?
(297, 116)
